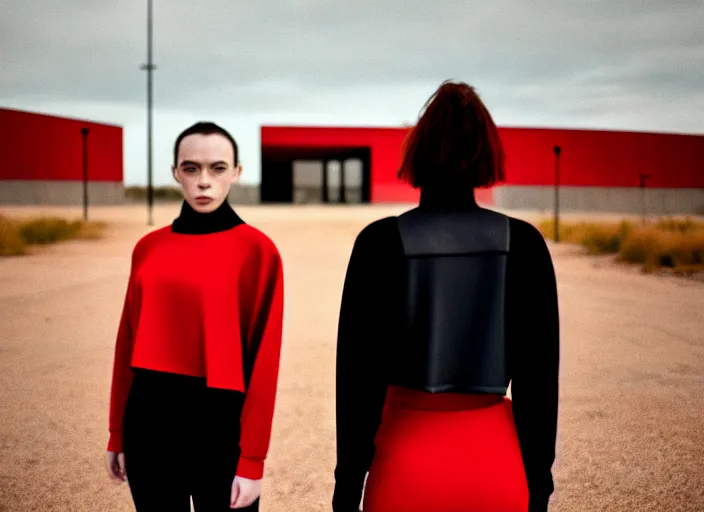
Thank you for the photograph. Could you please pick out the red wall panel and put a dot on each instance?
(588, 158)
(602, 158)
(42, 147)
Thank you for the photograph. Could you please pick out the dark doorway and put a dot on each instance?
(278, 183)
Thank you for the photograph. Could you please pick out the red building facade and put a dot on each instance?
(43, 159)
(598, 170)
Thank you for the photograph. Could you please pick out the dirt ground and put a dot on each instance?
(632, 370)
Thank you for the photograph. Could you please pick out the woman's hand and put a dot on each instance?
(244, 492)
(116, 467)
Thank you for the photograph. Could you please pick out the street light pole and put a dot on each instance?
(557, 151)
(149, 67)
(326, 162)
(84, 133)
(643, 177)
(343, 196)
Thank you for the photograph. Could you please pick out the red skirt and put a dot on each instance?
(446, 453)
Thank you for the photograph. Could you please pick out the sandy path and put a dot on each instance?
(632, 401)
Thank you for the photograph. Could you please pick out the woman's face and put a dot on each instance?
(206, 170)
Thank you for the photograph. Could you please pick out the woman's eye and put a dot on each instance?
(220, 169)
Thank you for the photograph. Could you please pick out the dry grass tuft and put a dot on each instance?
(47, 230)
(11, 243)
(683, 252)
(676, 244)
(16, 235)
(91, 230)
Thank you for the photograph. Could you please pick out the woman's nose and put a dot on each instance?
(203, 182)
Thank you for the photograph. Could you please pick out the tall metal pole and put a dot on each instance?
(557, 150)
(325, 181)
(643, 177)
(149, 67)
(84, 133)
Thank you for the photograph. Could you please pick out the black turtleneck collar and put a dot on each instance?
(447, 199)
(192, 222)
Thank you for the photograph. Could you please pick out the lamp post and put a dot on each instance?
(84, 133)
(325, 198)
(643, 177)
(557, 150)
(149, 67)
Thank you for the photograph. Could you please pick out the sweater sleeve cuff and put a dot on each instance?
(115, 441)
(252, 469)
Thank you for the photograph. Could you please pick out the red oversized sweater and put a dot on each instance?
(191, 302)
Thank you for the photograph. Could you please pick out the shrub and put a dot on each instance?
(677, 244)
(568, 232)
(662, 248)
(91, 230)
(15, 235)
(682, 250)
(46, 230)
(596, 238)
(11, 243)
(601, 239)
(635, 248)
(676, 225)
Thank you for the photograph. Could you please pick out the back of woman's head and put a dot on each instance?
(454, 144)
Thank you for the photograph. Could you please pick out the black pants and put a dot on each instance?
(181, 440)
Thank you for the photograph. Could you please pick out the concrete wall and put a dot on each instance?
(29, 192)
(658, 201)
(70, 193)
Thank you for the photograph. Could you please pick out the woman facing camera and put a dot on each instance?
(197, 351)
(443, 307)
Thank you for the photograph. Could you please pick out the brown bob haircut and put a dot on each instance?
(454, 144)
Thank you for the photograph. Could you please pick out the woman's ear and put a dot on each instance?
(173, 171)
(238, 173)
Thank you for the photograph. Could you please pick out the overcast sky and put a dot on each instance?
(627, 65)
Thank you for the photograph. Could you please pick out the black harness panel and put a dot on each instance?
(453, 339)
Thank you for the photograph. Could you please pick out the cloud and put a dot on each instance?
(634, 64)
(225, 51)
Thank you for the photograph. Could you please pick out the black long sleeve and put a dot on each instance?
(368, 326)
(533, 333)
(364, 330)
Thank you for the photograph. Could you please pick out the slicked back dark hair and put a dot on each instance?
(205, 128)
(455, 142)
